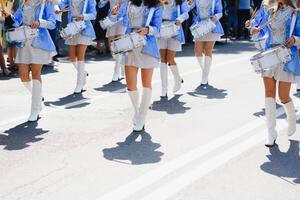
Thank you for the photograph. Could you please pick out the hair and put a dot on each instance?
(287, 2)
(148, 3)
(178, 2)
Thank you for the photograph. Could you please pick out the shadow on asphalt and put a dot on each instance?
(284, 165)
(68, 100)
(21, 136)
(210, 92)
(137, 149)
(170, 106)
(113, 87)
(263, 112)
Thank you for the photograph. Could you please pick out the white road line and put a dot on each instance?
(153, 176)
(101, 96)
(179, 183)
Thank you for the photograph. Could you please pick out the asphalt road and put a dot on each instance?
(200, 144)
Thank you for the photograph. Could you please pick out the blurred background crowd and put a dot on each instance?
(235, 13)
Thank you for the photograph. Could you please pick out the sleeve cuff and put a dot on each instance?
(56, 8)
(297, 40)
(151, 30)
(86, 17)
(181, 19)
(218, 15)
(43, 23)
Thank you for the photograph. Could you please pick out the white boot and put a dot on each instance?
(36, 101)
(201, 61)
(177, 79)
(28, 86)
(206, 70)
(164, 79)
(116, 75)
(291, 117)
(135, 99)
(270, 110)
(81, 77)
(122, 63)
(75, 65)
(144, 107)
(298, 86)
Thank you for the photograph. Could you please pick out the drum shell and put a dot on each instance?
(127, 43)
(169, 29)
(72, 29)
(21, 34)
(106, 23)
(271, 58)
(202, 28)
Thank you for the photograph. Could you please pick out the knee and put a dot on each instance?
(36, 75)
(284, 98)
(270, 93)
(171, 61)
(147, 84)
(164, 60)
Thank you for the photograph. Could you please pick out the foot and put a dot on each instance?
(204, 84)
(271, 144)
(34, 116)
(136, 130)
(177, 85)
(271, 139)
(7, 72)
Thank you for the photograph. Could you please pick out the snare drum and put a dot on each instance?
(21, 34)
(127, 43)
(260, 44)
(72, 29)
(169, 29)
(106, 23)
(271, 58)
(202, 28)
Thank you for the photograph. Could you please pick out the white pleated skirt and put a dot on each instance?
(280, 75)
(138, 59)
(169, 44)
(32, 55)
(210, 37)
(79, 39)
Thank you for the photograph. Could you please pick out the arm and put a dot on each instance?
(184, 10)
(156, 21)
(102, 3)
(296, 34)
(258, 17)
(90, 11)
(18, 19)
(218, 11)
(48, 20)
(63, 4)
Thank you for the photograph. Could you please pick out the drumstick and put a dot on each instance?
(253, 14)
(268, 22)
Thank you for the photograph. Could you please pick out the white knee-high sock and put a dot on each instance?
(27, 85)
(201, 61)
(206, 70)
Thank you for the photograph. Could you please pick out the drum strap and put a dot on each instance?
(42, 9)
(293, 23)
(149, 18)
(84, 6)
(178, 10)
(213, 4)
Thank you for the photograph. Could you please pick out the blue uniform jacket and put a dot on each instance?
(151, 48)
(43, 41)
(216, 9)
(90, 14)
(182, 16)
